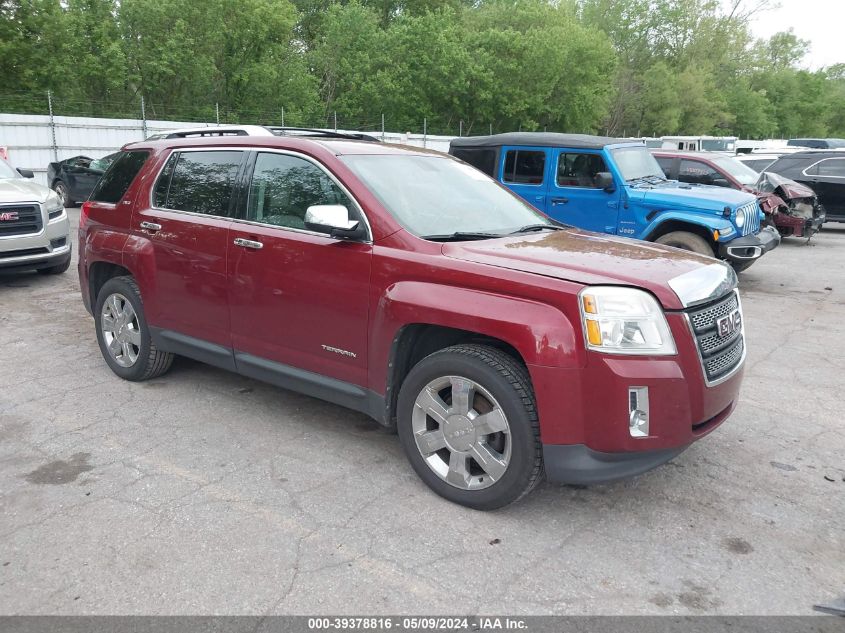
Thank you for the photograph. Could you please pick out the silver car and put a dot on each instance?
(33, 225)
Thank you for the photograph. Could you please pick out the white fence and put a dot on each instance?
(34, 141)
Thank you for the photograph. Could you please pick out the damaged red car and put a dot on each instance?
(792, 208)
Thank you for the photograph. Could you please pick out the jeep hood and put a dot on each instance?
(22, 190)
(590, 258)
(674, 195)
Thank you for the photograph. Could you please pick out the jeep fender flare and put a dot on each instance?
(707, 221)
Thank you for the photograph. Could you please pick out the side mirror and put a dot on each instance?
(604, 180)
(334, 220)
(26, 173)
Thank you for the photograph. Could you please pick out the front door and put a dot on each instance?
(574, 196)
(298, 297)
(188, 227)
(524, 171)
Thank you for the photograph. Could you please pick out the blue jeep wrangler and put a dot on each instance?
(615, 186)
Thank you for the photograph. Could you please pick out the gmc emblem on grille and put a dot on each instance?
(9, 216)
(727, 325)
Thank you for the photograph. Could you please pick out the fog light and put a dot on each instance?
(638, 411)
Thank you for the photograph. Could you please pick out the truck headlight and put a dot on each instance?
(620, 320)
(53, 206)
(740, 217)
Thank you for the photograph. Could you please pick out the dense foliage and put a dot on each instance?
(638, 67)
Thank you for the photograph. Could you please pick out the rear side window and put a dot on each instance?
(483, 159)
(199, 182)
(831, 167)
(114, 183)
(524, 167)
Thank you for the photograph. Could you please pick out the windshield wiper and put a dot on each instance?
(461, 236)
(529, 228)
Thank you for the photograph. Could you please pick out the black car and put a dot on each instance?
(74, 178)
(817, 143)
(822, 171)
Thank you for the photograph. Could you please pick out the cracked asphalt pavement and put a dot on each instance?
(205, 492)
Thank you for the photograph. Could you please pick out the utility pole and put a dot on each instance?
(425, 130)
(217, 112)
(143, 117)
(335, 120)
(382, 127)
(283, 117)
(52, 125)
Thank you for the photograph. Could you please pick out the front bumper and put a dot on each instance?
(56, 257)
(49, 247)
(750, 247)
(579, 464)
(791, 226)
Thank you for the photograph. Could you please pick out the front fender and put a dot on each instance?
(707, 221)
(542, 334)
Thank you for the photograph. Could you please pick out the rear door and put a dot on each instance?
(575, 198)
(187, 226)
(525, 170)
(299, 298)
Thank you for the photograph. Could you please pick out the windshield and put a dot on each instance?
(742, 172)
(437, 196)
(717, 145)
(636, 162)
(6, 170)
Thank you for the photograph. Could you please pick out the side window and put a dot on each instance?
(696, 172)
(832, 168)
(665, 165)
(199, 182)
(524, 167)
(284, 186)
(114, 183)
(483, 159)
(579, 170)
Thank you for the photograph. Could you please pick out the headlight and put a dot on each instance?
(740, 217)
(620, 320)
(53, 206)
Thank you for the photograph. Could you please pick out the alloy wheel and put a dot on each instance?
(461, 432)
(121, 331)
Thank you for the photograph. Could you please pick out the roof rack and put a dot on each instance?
(307, 131)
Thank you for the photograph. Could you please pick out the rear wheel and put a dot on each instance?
(123, 334)
(686, 241)
(468, 423)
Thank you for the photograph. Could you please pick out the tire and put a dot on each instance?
(141, 359)
(500, 386)
(56, 270)
(686, 241)
(61, 188)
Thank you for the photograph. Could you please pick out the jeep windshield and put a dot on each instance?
(441, 199)
(637, 163)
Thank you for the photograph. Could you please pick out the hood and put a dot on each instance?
(22, 190)
(681, 195)
(785, 187)
(587, 258)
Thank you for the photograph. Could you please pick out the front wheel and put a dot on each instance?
(123, 334)
(61, 189)
(686, 241)
(468, 423)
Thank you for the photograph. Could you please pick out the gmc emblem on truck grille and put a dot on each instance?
(9, 216)
(729, 324)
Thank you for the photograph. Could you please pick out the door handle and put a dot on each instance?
(560, 200)
(239, 241)
(150, 226)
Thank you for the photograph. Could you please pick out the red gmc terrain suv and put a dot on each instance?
(408, 285)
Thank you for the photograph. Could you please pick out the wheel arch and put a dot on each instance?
(674, 224)
(99, 272)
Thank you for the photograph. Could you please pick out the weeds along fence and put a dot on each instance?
(36, 130)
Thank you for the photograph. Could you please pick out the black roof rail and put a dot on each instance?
(307, 131)
(202, 132)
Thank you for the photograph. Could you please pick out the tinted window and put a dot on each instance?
(697, 172)
(283, 187)
(665, 165)
(579, 170)
(833, 167)
(758, 164)
(163, 184)
(524, 167)
(483, 159)
(200, 182)
(116, 180)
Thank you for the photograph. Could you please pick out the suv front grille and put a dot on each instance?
(720, 355)
(752, 218)
(20, 220)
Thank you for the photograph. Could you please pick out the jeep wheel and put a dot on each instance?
(686, 241)
(468, 423)
(61, 189)
(123, 335)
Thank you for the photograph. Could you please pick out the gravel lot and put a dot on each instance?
(205, 492)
